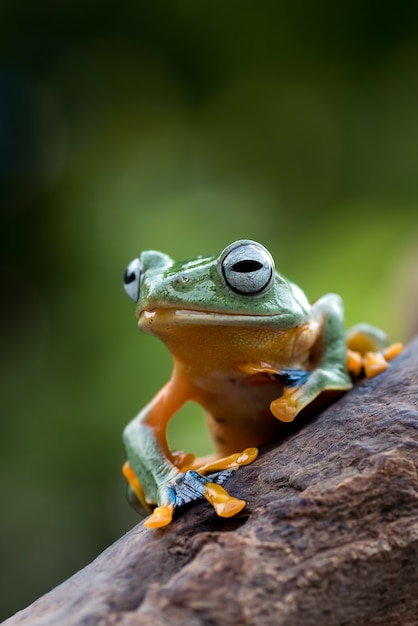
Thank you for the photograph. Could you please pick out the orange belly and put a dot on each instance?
(237, 403)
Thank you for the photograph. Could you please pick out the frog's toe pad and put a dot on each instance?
(160, 517)
(374, 363)
(393, 350)
(224, 504)
(285, 408)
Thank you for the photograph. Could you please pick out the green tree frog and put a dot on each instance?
(250, 349)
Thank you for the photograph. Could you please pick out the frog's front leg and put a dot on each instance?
(330, 372)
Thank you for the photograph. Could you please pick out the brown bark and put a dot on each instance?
(329, 535)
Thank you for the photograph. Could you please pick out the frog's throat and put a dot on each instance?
(188, 317)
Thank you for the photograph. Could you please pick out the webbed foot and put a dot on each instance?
(368, 351)
(295, 398)
(192, 487)
(194, 483)
(371, 363)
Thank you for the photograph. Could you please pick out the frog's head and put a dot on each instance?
(238, 287)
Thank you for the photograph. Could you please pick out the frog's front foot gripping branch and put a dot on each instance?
(368, 353)
(192, 485)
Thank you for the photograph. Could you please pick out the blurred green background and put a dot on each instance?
(179, 126)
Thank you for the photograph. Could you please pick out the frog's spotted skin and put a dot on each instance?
(249, 348)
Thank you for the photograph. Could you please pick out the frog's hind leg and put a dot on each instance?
(368, 350)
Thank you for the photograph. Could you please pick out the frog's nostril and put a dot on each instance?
(182, 281)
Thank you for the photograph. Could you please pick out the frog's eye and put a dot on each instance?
(131, 279)
(248, 268)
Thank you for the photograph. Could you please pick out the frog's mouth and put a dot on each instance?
(171, 317)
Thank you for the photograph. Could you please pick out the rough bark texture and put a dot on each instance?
(329, 536)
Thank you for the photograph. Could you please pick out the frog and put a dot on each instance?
(249, 347)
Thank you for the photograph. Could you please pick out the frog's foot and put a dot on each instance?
(224, 504)
(212, 462)
(218, 470)
(191, 486)
(194, 486)
(296, 398)
(369, 362)
(203, 482)
(368, 351)
(286, 407)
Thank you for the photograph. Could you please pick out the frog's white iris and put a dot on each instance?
(248, 268)
(131, 279)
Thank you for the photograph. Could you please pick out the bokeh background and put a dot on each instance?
(179, 126)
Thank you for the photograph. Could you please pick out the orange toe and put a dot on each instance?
(354, 362)
(161, 516)
(224, 504)
(374, 363)
(392, 351)
(284, 411)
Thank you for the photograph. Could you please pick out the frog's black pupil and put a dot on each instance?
(128, 277)
(247, 266)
